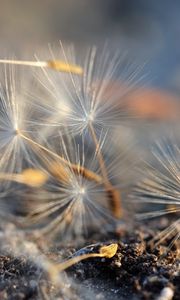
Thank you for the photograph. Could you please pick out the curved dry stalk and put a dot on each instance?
(112, 193)
(105, 251)
(57, 65)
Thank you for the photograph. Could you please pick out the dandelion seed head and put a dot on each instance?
(74, 203)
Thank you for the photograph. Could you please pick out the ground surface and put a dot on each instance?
(137, 271)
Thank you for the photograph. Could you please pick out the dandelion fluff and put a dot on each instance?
(94, 98)
(159, 191)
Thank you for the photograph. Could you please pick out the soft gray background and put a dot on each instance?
(148, 29)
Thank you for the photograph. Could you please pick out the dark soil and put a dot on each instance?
(137, 271)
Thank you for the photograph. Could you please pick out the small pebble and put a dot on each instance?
(166, 294)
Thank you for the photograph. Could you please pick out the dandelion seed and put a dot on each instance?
(77, 101)
(58, 170)
(62, 166)
(161, 189)
(69, 201)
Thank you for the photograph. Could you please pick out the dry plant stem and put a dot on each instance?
(52, 64)
(63, 266)
(90, 175)
(105, 251)
(112, 193)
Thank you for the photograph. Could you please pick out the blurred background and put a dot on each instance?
(148, 30)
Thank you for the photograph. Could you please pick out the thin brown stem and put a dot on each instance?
(112, 193)
(53, 270)
(105, 251)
